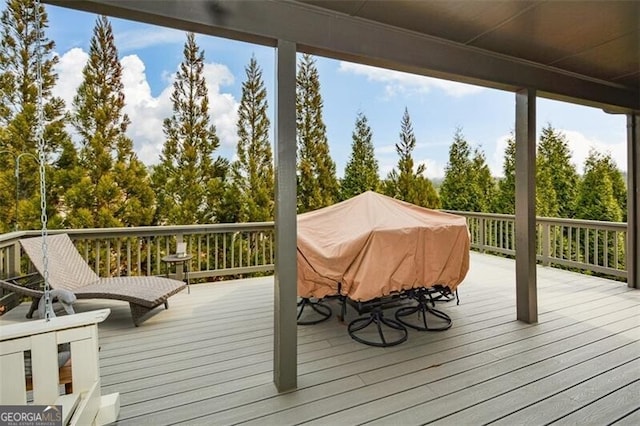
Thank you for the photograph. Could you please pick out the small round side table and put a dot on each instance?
(174, 259)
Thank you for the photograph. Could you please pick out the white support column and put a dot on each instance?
(633, 200)
(285, 362)
(526, 288)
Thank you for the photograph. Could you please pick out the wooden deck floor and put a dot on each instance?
(208, 359)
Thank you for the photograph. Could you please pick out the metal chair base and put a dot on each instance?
(423, 309)
(377, 319)
(320, 308)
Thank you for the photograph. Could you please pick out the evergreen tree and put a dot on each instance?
(596, 198)
(317, 182)
(405, 183)
(618, 184)
(252, 186)
(554, 168)
(455, 191)
(188, 182)
(505, 200)
(114, 189)
(482, 183)
(361, 171)
(546, 200)
(18, 101)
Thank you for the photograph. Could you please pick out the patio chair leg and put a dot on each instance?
(166, 304)
(138, 312)
(319, 307)
(377, 317)
(423, 309)
(34, 306)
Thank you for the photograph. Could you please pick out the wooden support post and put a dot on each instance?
(633, 200)
(285, 357)
(526, 289)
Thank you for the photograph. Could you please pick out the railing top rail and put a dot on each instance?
(541, 219)
(10, 238)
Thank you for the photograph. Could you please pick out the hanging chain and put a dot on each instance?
(39, 135)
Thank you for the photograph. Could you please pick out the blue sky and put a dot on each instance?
(151, 55)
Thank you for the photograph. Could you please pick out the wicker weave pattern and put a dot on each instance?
(69, 271)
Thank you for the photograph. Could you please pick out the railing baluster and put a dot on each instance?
(128, 257)
(546, 243)
(97, 256)
(606, 248)
(199, 262)
(615, 250)
(224, 250)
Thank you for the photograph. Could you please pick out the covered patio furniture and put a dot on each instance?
(67, 270)
(373, 247)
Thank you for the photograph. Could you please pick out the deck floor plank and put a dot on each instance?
(208, 358)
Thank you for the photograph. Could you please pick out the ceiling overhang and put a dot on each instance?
(331, 33)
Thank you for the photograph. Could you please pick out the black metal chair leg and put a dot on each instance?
(423, 309)
(376, 317)
(323, 310)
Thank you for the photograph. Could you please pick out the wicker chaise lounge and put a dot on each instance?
(68, 270)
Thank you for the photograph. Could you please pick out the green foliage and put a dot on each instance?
(250, 196)
(188, 183)
(317, 182)
(405, 183)
(596, 198)
(361, 172)
(546, 201)
(483, 184)
(468, 184)
(505, 199)
(455, 190)
(556, 177)
(18, 100)
(113, 188)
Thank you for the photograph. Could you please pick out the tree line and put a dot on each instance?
(95, 178)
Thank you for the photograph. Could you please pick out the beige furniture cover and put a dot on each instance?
(375, 245)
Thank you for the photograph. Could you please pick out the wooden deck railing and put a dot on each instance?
(217, 249)
(585, 245)
(242, 248)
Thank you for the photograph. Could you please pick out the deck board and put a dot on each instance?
(208, 359)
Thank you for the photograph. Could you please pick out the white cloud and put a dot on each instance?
(69, 70)
(496, 161)
(147, 37)
(401, 83)
(580, 144)
(147, 112)
(433, 168)
(223, 107)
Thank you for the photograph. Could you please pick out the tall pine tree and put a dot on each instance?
(456, 192)
(596, 199)
(505, 199)
(554, 168)
(317, 181)
(18, 100)
(405, 183)
(252, 187)
(188, 182)
(482, 183)
(114, 189)
(361, 172)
